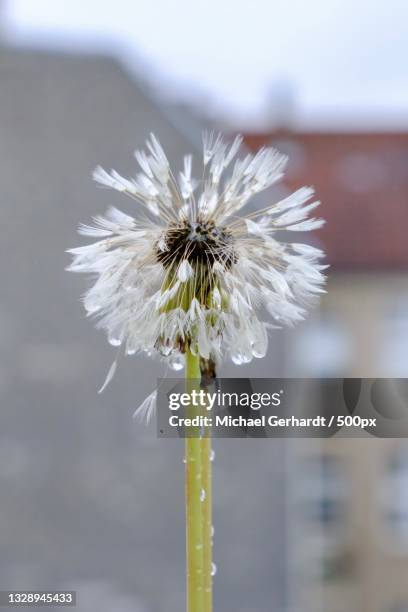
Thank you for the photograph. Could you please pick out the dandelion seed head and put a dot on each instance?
(187, 271)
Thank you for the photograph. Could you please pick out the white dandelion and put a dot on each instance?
(187, 272)
(188, 279)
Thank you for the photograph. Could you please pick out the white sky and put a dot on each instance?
(344, 59)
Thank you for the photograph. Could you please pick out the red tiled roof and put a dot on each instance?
(362, 181)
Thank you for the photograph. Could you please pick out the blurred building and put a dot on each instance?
(348, 503)
(78, 478)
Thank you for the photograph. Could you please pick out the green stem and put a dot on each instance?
(194, 504)
(207, 520)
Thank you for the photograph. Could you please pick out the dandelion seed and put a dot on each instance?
(146, 409)
(109, 376)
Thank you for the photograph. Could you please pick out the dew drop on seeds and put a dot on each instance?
(202, 495)
(92, 307)
(114, 341)
(199, 547)
(165, 350)
(176, 362)
(184, 460)
(213, 569)
(259, 353)
(236, 358)
(212, 455)
(212, 531)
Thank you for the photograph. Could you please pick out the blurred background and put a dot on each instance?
(90, 500)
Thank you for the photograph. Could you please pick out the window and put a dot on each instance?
(394, 351)
(361, 172)
(321, 505)
(322, 490)
(396, 497)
